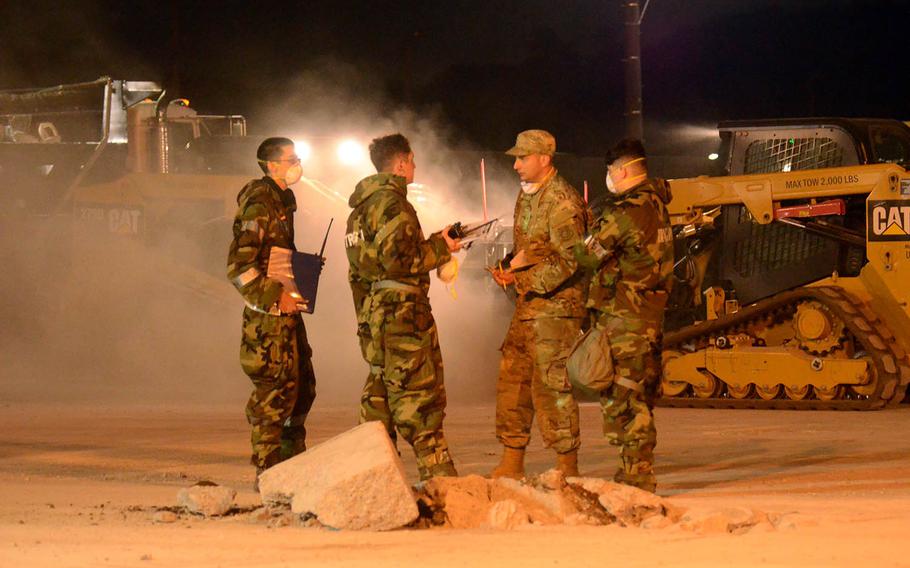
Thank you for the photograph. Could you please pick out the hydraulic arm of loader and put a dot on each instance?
(759, 192)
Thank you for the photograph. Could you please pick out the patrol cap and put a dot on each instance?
(533, 142)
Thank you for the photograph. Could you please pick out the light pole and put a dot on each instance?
(632, 62)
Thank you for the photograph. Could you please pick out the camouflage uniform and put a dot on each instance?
(548, 315)
(274, 351)
(389, 263)
(632, 253)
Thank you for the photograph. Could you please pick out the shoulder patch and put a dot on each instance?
(565, 233)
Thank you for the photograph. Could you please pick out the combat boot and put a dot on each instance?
(445, 469)
(637, 473)
(433, 459)
(270, 460)
(293, 442)
(511, 465)
(567, 463)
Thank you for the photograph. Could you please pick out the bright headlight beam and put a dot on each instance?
(350, 152)
(713, 156)
(303, 149)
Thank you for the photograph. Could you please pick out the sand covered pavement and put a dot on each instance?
(92, 485)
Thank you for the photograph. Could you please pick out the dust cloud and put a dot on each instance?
(472, 315)
(88, 316)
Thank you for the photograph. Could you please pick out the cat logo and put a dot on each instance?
(123, 221)
(889, 221)
(119, 221)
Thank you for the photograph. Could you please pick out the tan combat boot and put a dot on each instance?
(511, 465)
(567, 463)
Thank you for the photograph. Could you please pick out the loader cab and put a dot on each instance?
(756, 260)
(783, 145)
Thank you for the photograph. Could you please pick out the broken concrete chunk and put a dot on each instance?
(545, 508)
(552, 479)
(629, 505)
(656, 522)
(464, 510)
(507, 514)
(438, 487)
(704, 521)
(164, 517)
(353, 481)
(206, 498)
(465, 500)
(589, 509)
(724, 520)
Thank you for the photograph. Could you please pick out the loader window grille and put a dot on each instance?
(792, 154)
(774, 247)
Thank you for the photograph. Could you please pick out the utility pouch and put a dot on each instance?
(590, 364)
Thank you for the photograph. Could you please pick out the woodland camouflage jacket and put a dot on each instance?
(384, 242)
(631, 252)
(265, 218)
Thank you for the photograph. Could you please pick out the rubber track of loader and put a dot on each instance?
(889, 365)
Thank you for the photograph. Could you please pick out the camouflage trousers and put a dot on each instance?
(404, 389)
(275, 354)
(533, 383)
(629, 418)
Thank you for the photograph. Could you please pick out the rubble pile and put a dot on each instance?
(356, 481)
(551, 499)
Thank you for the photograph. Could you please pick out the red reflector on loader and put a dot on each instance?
(830, 207)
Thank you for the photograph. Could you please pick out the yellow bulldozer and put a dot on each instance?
(793, 273)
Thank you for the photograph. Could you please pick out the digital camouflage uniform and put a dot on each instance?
(389, 265)
(274, 351)
(533, 381)
(632, 250)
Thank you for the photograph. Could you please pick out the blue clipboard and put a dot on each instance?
(299, 272)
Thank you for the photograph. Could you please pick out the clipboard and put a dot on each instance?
(299, 272)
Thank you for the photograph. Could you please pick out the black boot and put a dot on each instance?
(270, 460)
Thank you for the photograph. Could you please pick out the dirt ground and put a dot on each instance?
(79, 485)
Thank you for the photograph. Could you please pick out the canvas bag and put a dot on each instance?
(590, 364)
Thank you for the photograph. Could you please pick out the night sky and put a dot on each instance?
(486, 68)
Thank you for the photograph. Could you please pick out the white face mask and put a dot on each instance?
(529, 188)
(610, 185)
(293, 174)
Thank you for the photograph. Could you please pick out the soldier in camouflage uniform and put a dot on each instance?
(274, 351)
(550, 221)
(389, 262)
(631, 255)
